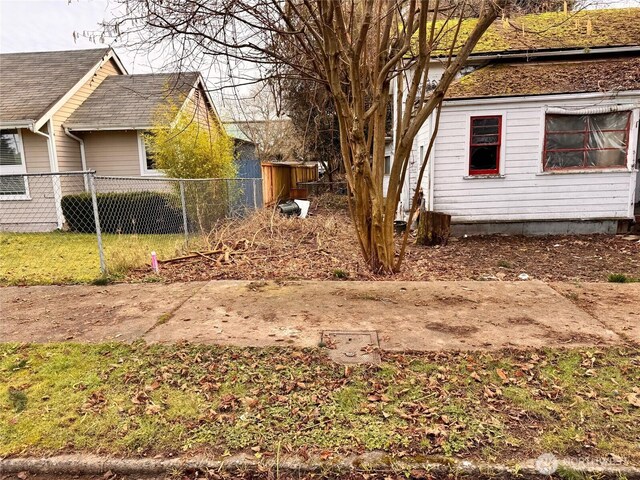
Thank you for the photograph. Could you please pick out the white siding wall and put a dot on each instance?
(524, 193)
(422, 140)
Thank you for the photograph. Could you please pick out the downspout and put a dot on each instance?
(53, 164)
(83, 158)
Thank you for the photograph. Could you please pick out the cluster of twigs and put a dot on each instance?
(267, 240)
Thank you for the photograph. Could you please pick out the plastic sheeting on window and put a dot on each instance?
(597, 140)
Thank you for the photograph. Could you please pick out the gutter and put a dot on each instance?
(573, 52)
(83, 158)
(53, 164)
(26, 123)
(93, 128)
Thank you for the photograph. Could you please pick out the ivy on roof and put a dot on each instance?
(556, 30)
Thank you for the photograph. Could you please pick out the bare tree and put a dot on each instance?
(311, 109)
(357, 49)
(259, 116)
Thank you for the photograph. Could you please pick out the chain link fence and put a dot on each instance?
(124, 218)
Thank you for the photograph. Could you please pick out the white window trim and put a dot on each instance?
(503, 145)
(559, 110)
(17, 170)
(142, 155)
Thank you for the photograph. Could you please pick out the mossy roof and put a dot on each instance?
(551, 77)
(553, 31)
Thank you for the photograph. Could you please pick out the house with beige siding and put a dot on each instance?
(72, 111)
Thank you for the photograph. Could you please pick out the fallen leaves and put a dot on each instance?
(277, 247)
(434, 403)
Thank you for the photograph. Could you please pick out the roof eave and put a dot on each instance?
(534, 96)
(44, 118)
(26, 123)
(97, 128)
(551, 52)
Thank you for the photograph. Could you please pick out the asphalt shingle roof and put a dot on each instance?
(31, 83)
(550, 77)
(131, 101)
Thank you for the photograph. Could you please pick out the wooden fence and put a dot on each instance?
(280, 180)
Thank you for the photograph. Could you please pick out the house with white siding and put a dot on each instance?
(71, 111)
(539, 134)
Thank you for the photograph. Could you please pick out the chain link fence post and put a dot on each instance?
(185, 222)
(96, 218)
(255, 186)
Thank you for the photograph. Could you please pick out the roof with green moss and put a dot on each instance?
(553, 31)
(545, 78)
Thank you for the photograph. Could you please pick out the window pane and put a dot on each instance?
(609, 121)
(148, 152)
(387, 164)
(566, 123)
(486, 122)
(9, 148)
(559, 141)
(482, 139)
(608, 140)
(484, 158)
(12, 186)
(485, 130)
(606, 158)
(564, 159)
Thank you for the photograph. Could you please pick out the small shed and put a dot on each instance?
(280, 179)
(245, 152)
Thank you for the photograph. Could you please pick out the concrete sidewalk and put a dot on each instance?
(406, 315)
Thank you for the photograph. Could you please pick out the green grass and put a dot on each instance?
(58, 257)
(188, 399)
(622, 278)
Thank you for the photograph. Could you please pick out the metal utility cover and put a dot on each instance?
(352, 347)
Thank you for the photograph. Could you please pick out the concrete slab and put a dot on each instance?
(615, 305)
(406, 315)
(83, 313)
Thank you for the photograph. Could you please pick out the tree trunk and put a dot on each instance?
(433, 228)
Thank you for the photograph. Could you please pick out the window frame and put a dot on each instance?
(387, 172)
(500, 144)
(585, 149)
(18, 170)
(142, 154)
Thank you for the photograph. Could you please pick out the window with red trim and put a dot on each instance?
(486, 137)
(586, 141)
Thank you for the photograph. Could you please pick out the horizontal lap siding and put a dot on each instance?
(113, 152)
(68, 149)
(523, 194)
(37, 214)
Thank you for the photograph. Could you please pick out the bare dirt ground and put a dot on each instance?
(406, 315)
(268, 246)
(609, 303)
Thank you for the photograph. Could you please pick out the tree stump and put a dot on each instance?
(433, 228)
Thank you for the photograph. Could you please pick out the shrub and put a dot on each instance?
(130, 212)
(621, 278)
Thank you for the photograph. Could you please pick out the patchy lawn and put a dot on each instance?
(160, 399)
(267, 246)
(323, 246)
(58, 257)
